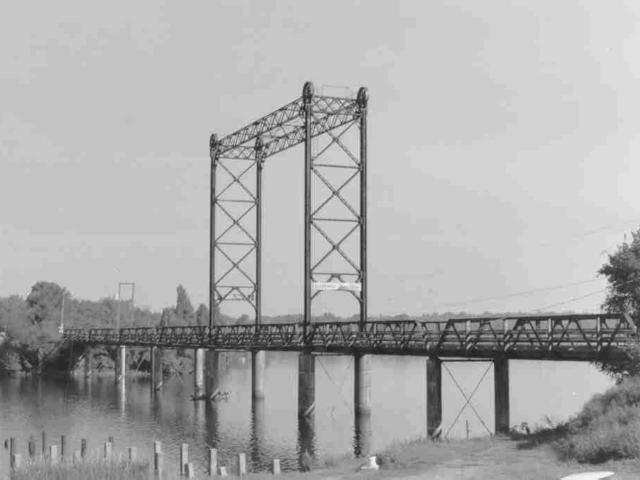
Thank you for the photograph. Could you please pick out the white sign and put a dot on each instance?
(349, 286)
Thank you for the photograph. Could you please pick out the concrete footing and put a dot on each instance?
(198, 372)
(434, 397)
(87, 363)
(156, 369)
(257, 374)
(306, 385)
(212, 373)
(121, 363)
(362, 385)
(501, 394)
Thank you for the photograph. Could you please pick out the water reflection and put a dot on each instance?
(96, 407)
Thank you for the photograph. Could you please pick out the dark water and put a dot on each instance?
(98, 408)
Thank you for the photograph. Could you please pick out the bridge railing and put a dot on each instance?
(526, 335)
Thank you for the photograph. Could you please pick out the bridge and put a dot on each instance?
(552, 337)
(333, 131)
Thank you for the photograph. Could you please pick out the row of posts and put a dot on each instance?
(207, 384)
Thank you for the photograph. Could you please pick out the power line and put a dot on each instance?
(516, 294)
(573, 299)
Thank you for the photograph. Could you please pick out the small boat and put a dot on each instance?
(588, 476)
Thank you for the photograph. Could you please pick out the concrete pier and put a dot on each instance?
(306, 385)
(198, 372)
(362, 385)
(156, 369)
(257, 429)
(257, 374)
(362, 440)
(434, 396)
(501, 394)
(121, 363)
(87, 361)
(212, 373)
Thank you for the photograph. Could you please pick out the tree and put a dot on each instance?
(622, 271)
(45, 301)
(184, 309)
(202, 315)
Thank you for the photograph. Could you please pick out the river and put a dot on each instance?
(98, 408)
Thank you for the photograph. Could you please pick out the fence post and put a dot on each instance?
(242, 464)
(132, 453)
(275, 469)
(16, 461)
(53, 454)
(63, 441)
(32, 447)
(83, 448)
(184, 458)
(213, 462)
(107, 449)
(12, 451)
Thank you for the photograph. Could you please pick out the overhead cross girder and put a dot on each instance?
(304, 121)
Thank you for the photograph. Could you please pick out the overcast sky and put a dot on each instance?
(504, 143)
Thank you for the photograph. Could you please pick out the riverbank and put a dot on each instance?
(487, 458)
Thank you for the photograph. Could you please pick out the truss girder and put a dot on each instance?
(558, 337)
(285, 128)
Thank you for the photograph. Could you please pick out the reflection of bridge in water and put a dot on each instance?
(333, 131)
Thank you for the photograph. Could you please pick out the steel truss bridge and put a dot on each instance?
(556, 337)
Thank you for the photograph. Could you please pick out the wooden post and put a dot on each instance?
(63, 442)
(16, 461)
(107, 450)
(44, 444)
(223, 471)
(434, 397)
(184, 458)
(189, 471)
(501, 394)
(83, 448)
(12, 451)
(77, 457)
(132, 453)
(275, 467)
(158, 463)
(242, 464)
(213, 462)
(53, 454)
(32, 447)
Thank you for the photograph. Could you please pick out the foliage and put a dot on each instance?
(202, 315)
(184, 309)
(622, 271)
(607, 428)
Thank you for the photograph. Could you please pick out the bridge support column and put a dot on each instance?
(198, 373)
(362, 385)
(156, 369)
(434, 397)
(501, 394)
(87, 361)
(212, 373)
(121, 363)
(258, 360)
(306, 408)
(306, 385)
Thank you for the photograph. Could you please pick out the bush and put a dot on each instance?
(607, 428)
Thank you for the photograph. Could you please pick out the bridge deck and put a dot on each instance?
(557, 337)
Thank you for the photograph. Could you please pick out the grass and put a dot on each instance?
(85, 470)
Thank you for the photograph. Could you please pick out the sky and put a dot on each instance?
(503, 144)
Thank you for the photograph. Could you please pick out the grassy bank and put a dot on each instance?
(85, 470)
